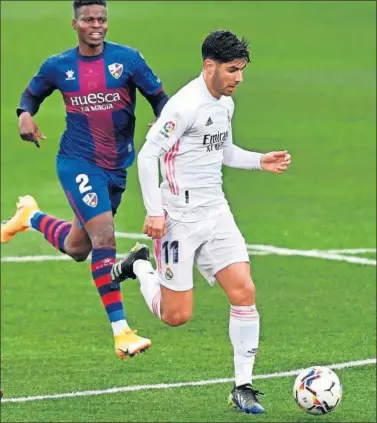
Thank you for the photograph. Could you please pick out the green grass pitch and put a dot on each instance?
(311, 89)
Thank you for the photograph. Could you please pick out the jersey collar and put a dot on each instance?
(91, 58)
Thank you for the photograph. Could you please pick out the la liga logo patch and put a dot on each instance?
(168, 129)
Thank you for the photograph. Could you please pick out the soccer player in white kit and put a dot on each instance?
(188, 216)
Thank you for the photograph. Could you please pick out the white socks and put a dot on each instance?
(149, 285)
(243, 322)
(119, 327)
(244, 335)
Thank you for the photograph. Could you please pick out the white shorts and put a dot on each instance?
(212, 244)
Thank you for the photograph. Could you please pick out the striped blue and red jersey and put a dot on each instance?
(99, 93)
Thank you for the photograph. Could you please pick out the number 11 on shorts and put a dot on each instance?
(174, 246)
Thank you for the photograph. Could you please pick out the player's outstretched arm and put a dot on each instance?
(275, 161)
(241, 159)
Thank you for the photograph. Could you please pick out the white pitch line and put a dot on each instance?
(312, 253)
(177, 385)
(354, 251)
(132, 235)
(28, 259)
(269, 251)
(258, 253)
(254, 249)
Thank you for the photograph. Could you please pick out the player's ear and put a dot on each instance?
(74, 24)
(209, 66)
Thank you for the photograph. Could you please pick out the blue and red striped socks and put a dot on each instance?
(102, 262)
(54, 230)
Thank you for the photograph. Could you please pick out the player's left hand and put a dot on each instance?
(276, 161)
(155, 226)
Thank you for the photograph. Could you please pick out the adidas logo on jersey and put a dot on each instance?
(209, 122)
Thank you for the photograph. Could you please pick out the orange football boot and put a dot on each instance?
(128, 344)
(26, 206)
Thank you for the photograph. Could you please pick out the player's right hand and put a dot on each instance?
(155, 226)
(28, 129)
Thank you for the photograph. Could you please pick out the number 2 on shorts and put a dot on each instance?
(83, 180)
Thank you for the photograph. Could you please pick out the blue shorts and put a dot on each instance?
(90, 189)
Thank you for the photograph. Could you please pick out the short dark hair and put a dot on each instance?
(79, 3)
(224, 46)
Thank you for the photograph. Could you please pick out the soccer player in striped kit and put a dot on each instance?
(98, 81)
(189, 217)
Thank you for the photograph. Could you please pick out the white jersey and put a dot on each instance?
(192, 132)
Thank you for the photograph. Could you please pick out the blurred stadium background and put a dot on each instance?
(311, 89)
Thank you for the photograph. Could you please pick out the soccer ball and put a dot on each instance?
(317, 390)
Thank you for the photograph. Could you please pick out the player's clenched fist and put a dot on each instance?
(155, 226)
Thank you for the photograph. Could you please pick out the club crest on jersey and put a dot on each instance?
(116, 70)
(91, 199)
(169, 274)
(168, 129)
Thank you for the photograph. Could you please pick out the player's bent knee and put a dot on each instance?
(77, 253)
(175, 318)
(79, 257)
(243, 293)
